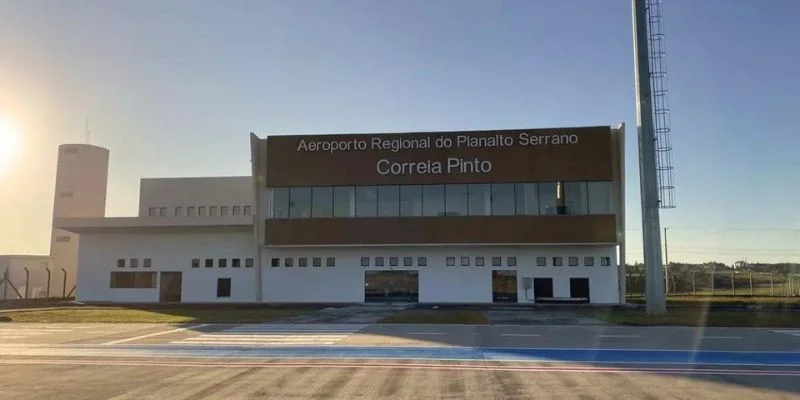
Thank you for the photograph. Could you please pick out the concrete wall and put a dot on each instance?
(194, 192)
(169, 252)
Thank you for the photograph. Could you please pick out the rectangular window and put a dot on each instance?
(526, 197)
(222, 263)
(236, 263)
(278, 199)
(302, 262)
(541, 261)
(330, 262)
(575, 198)
(558, 261)
(120, 263)
(480, 261)
(275, 262)
(378, 261)
(365, 261)
(212, 211)
(548, 198)
(63, 238)
(511, 261)
(299, 202)
(502, 199)
(237, 210)
(605, 261)
(366, 201)
(388, 201)
(450, 261)
(410, 201)
(465, 261)
(432, 200)
(322, 202)
(201, 211)
(497, 261)
(573, 261)
(162, 211)
(247, 210)
(394, 261)
(133, 280)
(316, 261)
(480, 199)
(195, 263)
(249, 263)
(288, 262)
(151, 212)
(408, 261)
(147, 263)
(344, 201)
(178, 211)
(190, 211)
(456, 200)
(422, 261)
(588, 261)
(600, 199)
(223, 210)
(209, 263)
(224, 287)
(134, 262)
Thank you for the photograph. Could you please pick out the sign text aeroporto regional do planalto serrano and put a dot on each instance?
(448, 165)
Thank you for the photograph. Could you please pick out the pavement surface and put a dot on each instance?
(299, 359)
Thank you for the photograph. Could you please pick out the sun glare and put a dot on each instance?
(9, 143)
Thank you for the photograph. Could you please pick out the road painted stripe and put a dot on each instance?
(255, 344)
(425, 333)
(521, 334)
(223, 336)
(618, 336)
(154, 334)
(722, 337)
(266, 339)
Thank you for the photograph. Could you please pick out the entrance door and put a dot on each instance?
(504, 286)
(543, 288)
(386, 286)
(579, 289)
(170, 288)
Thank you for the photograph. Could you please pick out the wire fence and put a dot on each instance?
(719, 283)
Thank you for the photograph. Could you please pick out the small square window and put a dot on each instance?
(365, 261)
(237, 210)
(605, 261)
(408, 261)
(288, 262)
(249, 263)
(247, 210)
(541, 261)
(422, 261)
(393, 261)
(497, 261)
(573, 261)
(195, 263)
(151, 212)
(147, 263)
(465, 261)
(212, 211)
(134, 262)
(378, 261)
(209, 263)
(201, 211)
(162, 212)
(558, 261)
(222, 263)
(511, 261)
(480, 261)
(275, 262)
(120, 263)
(236, 263)
(179, 211)
(190, 211)
(302, 262)
(223, 210)
(450, 261)
(224, 287)
(588, 261)
(330, 262)
(316, 262)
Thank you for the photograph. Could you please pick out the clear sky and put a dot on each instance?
(172, 88)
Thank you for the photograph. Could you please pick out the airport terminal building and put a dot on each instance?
(516, 216)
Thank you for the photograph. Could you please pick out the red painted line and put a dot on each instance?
(489, 367)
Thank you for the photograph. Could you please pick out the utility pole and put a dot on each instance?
(666, 262)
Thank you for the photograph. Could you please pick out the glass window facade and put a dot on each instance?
(600, 200)
(432, 200)
(575, 198)
(480, 199)
(344, 201)
(456, 197)
(548, 201)
(388, 201)
(503, 199)
(322, 202)
(278, 203)
(366, 201)
(299, 202)
(410, 201)
(526, 198)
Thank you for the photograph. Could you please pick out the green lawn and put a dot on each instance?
(700, 316)
(153, 315)
(437, 317)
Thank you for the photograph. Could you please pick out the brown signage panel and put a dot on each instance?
(442, 230)
(532, 155)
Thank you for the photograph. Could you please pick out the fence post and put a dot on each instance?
(733, 282)
(712, 282)
(694, 287)
(771, 286)
(47, 295)
(64, 288)
(27, 279)
(5, 283)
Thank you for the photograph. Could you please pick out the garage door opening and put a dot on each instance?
(391, 286)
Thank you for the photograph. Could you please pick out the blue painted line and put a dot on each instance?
(477, 354)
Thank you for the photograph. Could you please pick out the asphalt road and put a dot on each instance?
(349, 361)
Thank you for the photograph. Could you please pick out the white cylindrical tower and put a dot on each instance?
(81, 183)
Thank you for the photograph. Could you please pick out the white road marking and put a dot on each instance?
(426, 333)
(254, 344)
(521, 334)
(788, 332)
(255, 335)
(155, 334)
(722, 337)
(618, 336)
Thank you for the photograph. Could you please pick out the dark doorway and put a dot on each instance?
(542, 288)
(386, 286)
(170, 288)
(579, 289)
(504, 286)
